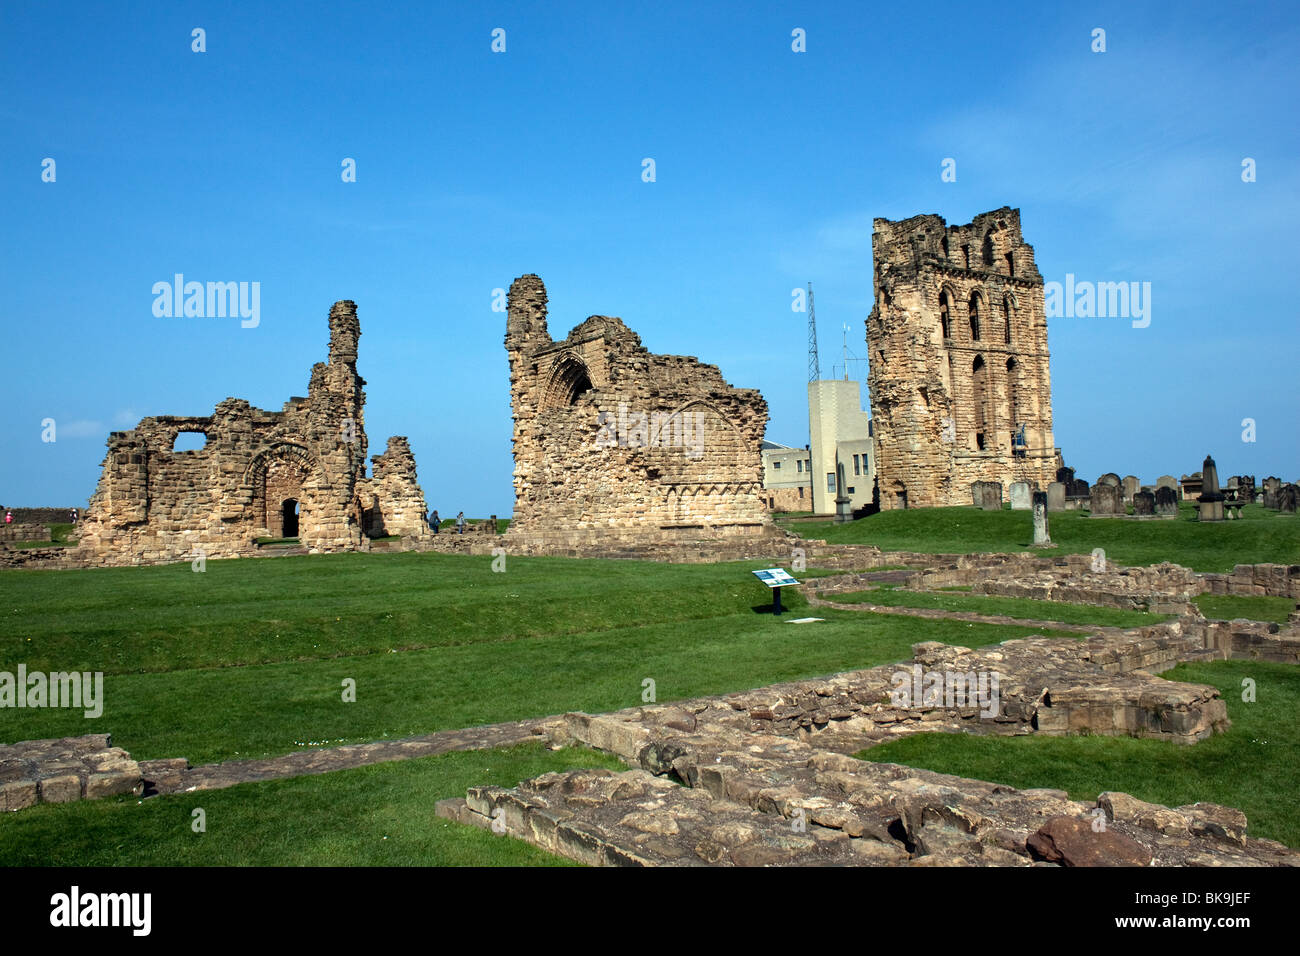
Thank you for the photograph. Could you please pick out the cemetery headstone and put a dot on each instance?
(1105, 500)
(1056, 496)
(1020, 496)
(1166, 502)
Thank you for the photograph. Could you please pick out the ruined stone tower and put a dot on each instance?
(296, 473)
(612, 442)
(957, 350)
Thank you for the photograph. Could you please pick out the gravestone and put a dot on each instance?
(1110, 478)
(1131, 485)
(1271, 487)
(1144, 505)
(1192, 486)
(987, 494)
(1167, 481)
(1105, 500)
(1210, 502)
(1041, 537)
(1065, 476)
(1286, 499)
(1020, 496)
(1166, 502)
(1056, 496)
(1077, 495)
(1246, 488)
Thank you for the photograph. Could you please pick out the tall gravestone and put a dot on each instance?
(1056, 496)
(1286, 499)
(1020, 492)
(1166, 502)
(1167, 481)
(1110, 478)
(1210, 502)
(1131, 485)
(1144, 505)
(1106, 500)
(1271, 487)
(1042, 539)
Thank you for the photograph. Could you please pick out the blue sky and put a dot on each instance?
(475, 167)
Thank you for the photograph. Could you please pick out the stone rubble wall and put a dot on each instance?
(391, 498)
(154, 504)
(65, 769)
(1272, 580)
(24, 532)
(42, 515)
(766, 779)
(582, 463)
(778, 802)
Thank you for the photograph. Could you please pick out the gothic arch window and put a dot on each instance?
(1006, 320)
(979, 388)
(988, 248)
(975, 316)
(944, 316)
(569, 381)
(1013, 373)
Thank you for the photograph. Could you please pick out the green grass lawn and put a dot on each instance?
(1255, 766)
(248, 658)
(1227, 607)
(1260, 535)
(1027, 608)
(380, 815)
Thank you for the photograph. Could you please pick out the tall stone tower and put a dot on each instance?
(957, 349)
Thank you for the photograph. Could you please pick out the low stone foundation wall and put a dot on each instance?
(65, 769)
(1268, 580)
(766, 778)
(24, 532)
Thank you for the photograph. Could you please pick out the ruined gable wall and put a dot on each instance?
(610, 438)
(391, 499)
(925, 388)
(155, 504)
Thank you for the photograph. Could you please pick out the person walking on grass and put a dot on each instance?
(460, 523)
(434, 521)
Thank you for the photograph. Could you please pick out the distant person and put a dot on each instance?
(460, 523)
(9, 517)
(434, 521)
(73, 515)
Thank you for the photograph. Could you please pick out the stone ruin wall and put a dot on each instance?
(155, 504)
(929, 401)
(391, 500)
(586, 469)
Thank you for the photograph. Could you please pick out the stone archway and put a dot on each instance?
(282, 479)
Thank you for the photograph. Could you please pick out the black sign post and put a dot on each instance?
(776, 579)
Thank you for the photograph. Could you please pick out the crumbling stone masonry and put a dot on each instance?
(765, 777)
(957, 345)
(613, 442)
(63, 770)
(298, 472)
